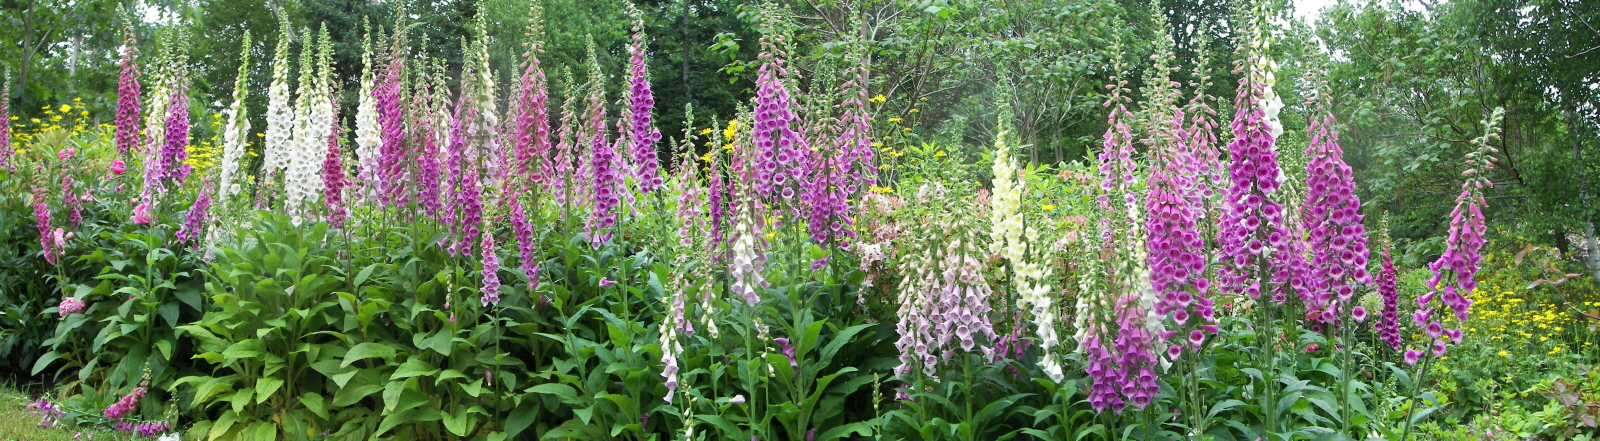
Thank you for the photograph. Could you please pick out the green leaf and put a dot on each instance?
(314, 402)
(44, 361)
(248, 348)
(412, 368)
(565, 392)
(520, 418)
(367, 350)
(265, 387)
(1223, 407)
(361, 277)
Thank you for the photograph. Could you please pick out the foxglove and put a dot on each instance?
(1453, 273)
(1338, 240)
(640, 102)
(491, 271)
(127, 133)
(235, 134)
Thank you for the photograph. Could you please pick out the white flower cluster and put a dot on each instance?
(1263, 72)
(748, 259)
(367, 138)
(280, 116)
(302, 180)
(1009, 238)
(235, 133)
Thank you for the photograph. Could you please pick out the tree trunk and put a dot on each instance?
(1590, 244)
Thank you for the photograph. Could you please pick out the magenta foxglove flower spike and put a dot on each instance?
(333, 177)
(532, 131)
(779, 148)
(1175, 245)
(1454, 273)
(1388, 323)
(127, 133)
(606, 181)
(491, 271)
(1338, 240)
(195, 222)
(5, 121)
(41, 214)
(176, 149)
(640, 102)
(1253, 235)
(391, 120)
(524, 231)
(425, 133)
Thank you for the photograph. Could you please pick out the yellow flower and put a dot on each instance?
(895, 120)
(705, 131)
(733, 129)
(879, 98)
(1048, 207)
(65, 108)
(35, 120)
(914, 110)
(876, 144)
(1504, 354)
(939, 154)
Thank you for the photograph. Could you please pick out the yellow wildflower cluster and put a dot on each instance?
(60, 123)
(1504, 316)
(203, 154)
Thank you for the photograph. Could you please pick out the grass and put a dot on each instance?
(19, 423)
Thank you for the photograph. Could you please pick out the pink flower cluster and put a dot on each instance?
(150, 428)
(524, 231)
(491, 271)
(1456, 268)
(1175, 250)
(70, 305)
(602, 169)
(1338, 240)
(392, 149)
(333, 178)
(49, 413)
(41, 214)
(123, 407)
(1388, 323)
(466, 207)
(778, 147)
(640, 101)
(944, 305)
(196, 219)
(425, 134)
(176, 149)
(532, 129)
(127, 133)
(1252, 223)
(5, 123)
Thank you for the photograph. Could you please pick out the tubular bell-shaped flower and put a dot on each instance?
(314, 108)
(1175, 246)
(425, 134)
(1123, 344)
(491, 270)
(391, 120)
(1338, 240)
(127, 134)
(466, 207)
(368, 140)
(195, 222)
(5, 120)
(1388, 323)
(176, 149)
(236, 133)
(1258, 259)
(1009, 237)
(606, 181)
(532, 131)
(1453, 274)
(778, 146)
(280, 114)
(640, 103)
(944, 300)
(333, 178)
(670, 328)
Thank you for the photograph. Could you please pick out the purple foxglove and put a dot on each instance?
(491, 271)
(640, 102)
(1454, 272)
(1338, 240)
(127, 121)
